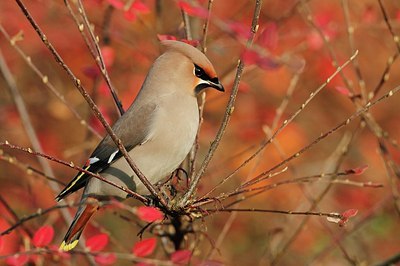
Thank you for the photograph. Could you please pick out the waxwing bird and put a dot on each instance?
(158, 130)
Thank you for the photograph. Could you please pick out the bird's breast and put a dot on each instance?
(172, 133)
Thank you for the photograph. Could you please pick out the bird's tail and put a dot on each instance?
(86, 210)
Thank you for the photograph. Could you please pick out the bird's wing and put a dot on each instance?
(133, 128)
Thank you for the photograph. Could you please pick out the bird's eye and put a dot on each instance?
(199, 72)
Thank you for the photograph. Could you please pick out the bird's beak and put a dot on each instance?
(214, 83)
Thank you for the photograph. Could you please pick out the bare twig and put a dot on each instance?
(13, 215)
(46, 81)
(385, 75)
(229, 110)
(396, 38)
(96, 52)
(322, 214)
(26, 122)
(324, 135)
(350, 32)
(286, 122)
(333, 163)
(72, 165)
(393, 173)
(268, 173)
(38, 213)
(206, 26)
(27, 168)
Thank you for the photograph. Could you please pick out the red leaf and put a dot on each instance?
(357, 171)
(370, 15)
(181, 256)
(343, 90)
(43, 236)
(1, 244)
(91, 72)
(108, 55)
(398, 15)
(250, 57)
(193, 43)
(239, 29)
(129, 15)
(192, 10)
(149, 214)
(243, 87)
(346, 215)
(314, 41)
(17, 260)
(350, 213)
(269, 36)
(140, 7)
(145, 247)
(162, 37)
(97, 242)
(106, 259)
(267, 63)
(118, 4)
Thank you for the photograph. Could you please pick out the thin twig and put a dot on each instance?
(13, 215)
(73, 166)
(27, 168)
(395, 37)
(350, 32)
(229, 110)
(336, 160)
(38, 213)
(46, 81)
(286, 122)
(324, 135)
(268, 173)
(308, 213)
(30, 130)
(393, 173)
(97, 56)
(385, 75)
(206, 26)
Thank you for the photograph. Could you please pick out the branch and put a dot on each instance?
(324, 214)
(72, 165)
(324, 135)
(44, 78)
(265, 143)
(38, 213)
(228, 112)
(96, 53)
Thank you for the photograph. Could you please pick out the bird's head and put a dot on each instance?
(194, 65)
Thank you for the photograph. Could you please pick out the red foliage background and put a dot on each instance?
(286, 43)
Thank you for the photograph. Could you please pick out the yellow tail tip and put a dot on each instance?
(67, 247)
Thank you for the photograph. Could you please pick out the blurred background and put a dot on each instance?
(299, 44)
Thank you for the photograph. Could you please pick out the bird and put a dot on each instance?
(158, 131)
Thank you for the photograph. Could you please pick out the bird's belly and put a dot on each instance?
(156, 158)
